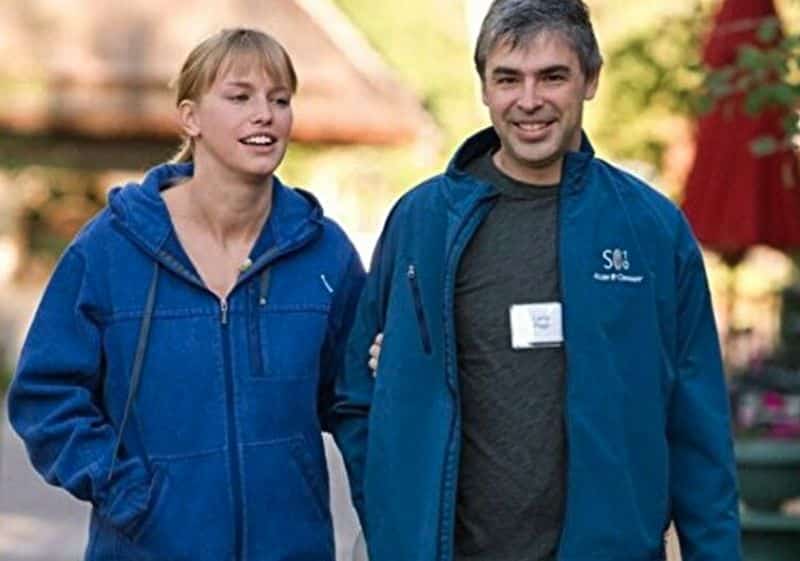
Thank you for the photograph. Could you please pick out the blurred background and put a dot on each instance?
(699, 97)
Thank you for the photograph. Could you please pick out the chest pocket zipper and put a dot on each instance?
(419, 310)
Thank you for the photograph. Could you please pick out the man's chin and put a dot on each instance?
(539, 159)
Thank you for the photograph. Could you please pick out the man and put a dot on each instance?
(550, 384)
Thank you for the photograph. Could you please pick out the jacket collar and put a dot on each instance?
(462, 189)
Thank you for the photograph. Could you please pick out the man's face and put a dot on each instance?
(535, 94)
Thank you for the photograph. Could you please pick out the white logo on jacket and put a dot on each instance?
(615, 264)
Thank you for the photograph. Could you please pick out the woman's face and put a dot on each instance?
(241, 125)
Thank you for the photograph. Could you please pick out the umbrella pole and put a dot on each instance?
(729, 337)
(732, 260)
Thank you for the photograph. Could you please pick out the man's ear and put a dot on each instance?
(187, 116)
(591, 86)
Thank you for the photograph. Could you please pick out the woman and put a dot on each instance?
(179, 368)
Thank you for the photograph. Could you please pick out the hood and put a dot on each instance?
(140, 212)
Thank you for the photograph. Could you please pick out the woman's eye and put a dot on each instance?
(240, 97)
(282, 101)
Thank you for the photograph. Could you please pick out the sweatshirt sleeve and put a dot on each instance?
(702, 465)
(340, 321)
(55, 406)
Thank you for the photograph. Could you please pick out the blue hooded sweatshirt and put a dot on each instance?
(646, 411)
(192, 424)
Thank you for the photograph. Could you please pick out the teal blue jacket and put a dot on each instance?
(647, 415)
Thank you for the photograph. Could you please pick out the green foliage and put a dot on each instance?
(425, 43)
(767, 75)
(650, 76)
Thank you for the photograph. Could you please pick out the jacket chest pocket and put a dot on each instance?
(286, 340)
(419, 309)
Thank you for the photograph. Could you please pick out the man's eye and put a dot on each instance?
(554, 78)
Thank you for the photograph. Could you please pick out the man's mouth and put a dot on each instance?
(259, 140)
(533, 127)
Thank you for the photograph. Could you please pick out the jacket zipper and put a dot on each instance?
(233, 442)
(420, 311)
(563, 252)
(448, 496)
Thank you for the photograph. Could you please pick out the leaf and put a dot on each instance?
(764, 146)
(790, 124)
(749, 58)
(756, 100)
(703, 104)
(768, 30)
(784, 94)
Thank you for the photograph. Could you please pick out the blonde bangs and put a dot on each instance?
(233, 50)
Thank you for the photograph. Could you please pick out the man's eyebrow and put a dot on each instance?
(510, 71)
(504, 70)
(554, 69)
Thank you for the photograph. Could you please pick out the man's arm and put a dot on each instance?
(354, 383)
(702, 466)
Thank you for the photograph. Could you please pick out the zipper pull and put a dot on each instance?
(412, 272)
(223, 308)
(326, 283)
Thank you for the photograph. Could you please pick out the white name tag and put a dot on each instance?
(536, 325)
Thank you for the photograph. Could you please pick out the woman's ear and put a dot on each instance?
(187, 116)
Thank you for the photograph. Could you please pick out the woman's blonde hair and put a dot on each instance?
(216, 54)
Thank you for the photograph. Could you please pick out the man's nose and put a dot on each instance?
(529, 99)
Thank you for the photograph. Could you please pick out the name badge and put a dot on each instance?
(536, 325)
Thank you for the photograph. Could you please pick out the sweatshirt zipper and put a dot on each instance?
(233, 441)
(223, 308)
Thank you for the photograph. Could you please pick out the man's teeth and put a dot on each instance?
(260, 140)
(532, 127)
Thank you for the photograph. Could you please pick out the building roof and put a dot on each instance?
(102, 70)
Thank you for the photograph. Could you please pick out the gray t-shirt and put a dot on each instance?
(511, 485)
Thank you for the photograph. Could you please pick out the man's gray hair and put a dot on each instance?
(517, 21)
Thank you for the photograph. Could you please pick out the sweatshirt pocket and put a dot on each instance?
(288, 516)
(190, 517)
(285, 338)
(159, 490)
(419, 309)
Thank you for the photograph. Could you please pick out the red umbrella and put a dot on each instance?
(735, 199)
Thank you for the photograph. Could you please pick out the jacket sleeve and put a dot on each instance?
(702, 467)
(354, 384)
(55, 404)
